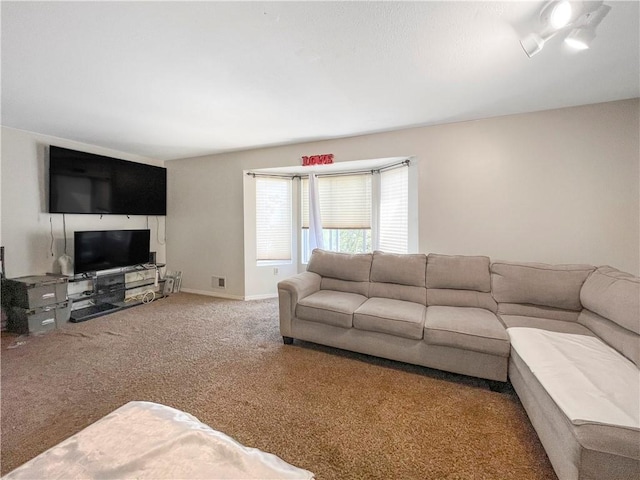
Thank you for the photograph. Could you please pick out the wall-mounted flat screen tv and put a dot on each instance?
(81, 182)
(106, 249)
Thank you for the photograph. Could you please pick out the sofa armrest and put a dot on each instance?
(290, 291)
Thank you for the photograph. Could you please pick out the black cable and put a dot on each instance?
(51, 224)
(64, 232)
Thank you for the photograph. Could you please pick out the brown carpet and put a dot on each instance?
(340, 415)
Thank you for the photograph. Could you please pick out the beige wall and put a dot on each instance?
(559, 186)
(26, 228)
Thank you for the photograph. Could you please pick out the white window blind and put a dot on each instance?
(273, 218)
(345, 201)
(394, 215)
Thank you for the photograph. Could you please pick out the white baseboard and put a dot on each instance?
(228, 295)
(265, 296)
(212, 294)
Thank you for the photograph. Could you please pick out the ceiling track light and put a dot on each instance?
(561, 16)
(581, 37)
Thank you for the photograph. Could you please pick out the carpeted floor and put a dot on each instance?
(340, 415)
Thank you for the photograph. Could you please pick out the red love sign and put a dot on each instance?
(317, 160)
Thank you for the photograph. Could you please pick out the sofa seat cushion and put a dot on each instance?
(589, 381)
(467, 328)
(387, 315)
(330, 307)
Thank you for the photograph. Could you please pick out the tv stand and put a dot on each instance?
(92, 311)
(111, 287)
(102, 293)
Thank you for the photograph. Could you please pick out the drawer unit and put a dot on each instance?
(38, 320)
(36, 304)
(35, 291)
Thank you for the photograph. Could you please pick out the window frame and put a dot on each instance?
(288, 227)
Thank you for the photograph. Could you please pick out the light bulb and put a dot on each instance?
(580, 38)
(560, 14)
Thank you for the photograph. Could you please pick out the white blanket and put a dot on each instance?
(148, 440)
(590, 381)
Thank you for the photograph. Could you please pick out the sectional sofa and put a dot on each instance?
(566, 336)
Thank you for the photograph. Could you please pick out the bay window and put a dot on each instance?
(393, 235)
(345, 212)
(358, 213)
(273, 219)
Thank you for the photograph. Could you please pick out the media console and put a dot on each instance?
(105, 292)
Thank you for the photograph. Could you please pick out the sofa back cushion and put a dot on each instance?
(458, 272)
(538, 311)
(401, 269)
(459, 281)
(399, 276)
(341, 266)
(611, 299)
(328, 283)
(461, 298)
(614, 295)
(407, 293)
(555, 286)
(341, 271)
(624, 341)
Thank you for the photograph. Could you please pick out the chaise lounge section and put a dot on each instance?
(574, 363)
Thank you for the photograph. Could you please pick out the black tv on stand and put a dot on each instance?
(109, 249)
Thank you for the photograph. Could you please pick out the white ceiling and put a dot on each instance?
(176, 79)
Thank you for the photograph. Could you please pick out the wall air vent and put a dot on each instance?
(218, 282)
